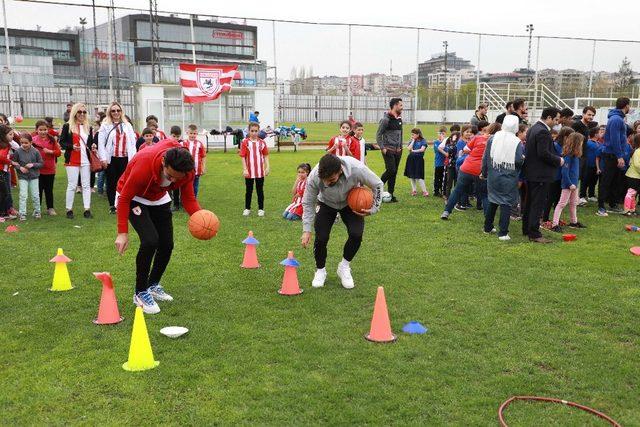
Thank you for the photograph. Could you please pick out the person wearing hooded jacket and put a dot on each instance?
(501, 164)
(615, 137)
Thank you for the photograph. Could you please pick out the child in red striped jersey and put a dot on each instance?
(293, 212)
(198, 152)
(344, 144)
(255, 166)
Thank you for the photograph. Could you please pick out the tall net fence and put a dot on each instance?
(322, 72)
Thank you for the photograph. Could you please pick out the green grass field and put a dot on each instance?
(504, 319)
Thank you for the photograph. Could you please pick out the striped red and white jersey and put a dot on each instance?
(120, 142)
(341, 143)
(196, 148)
(254, 153)
(160, 135)
(296, 204)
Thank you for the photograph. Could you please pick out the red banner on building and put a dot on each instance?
(202, 83)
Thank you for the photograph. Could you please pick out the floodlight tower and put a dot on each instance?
(530, 31)
(445, 44)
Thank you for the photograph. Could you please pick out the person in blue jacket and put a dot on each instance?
(571, 152)
(615, 136)
(438, 162)
(589, 175)
(253, 117)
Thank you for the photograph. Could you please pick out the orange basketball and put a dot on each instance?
(360, 198)
(203, 224)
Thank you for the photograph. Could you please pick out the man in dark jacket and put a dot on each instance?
(615, 136)
(509, 110)
(540, 169)
(389, 139)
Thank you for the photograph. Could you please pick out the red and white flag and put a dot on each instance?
(202, 83)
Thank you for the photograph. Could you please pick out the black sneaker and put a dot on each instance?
(615, 209)
(460, 207)
(577, 225)
(87, 214)
(175, 208)
(393, 199)
(112, 210)
(70, 214)
(556, 229)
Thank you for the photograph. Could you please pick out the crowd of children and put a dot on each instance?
(96, 153)
(485, 161)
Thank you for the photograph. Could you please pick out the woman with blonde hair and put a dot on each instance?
(116, 147)
(77, 139)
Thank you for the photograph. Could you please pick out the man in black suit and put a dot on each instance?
(540, 169)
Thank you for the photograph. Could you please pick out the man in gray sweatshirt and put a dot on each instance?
(389, 140)
(328, 185)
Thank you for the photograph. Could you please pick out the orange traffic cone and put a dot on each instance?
(290, 284)
(380, 325)
(250, 259)
(108, 313)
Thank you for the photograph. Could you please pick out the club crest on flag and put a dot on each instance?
(208, 81)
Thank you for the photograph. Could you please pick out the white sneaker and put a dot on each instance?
(158, 293)
(504, 238)
(246, 212)
(319, 278)
(344, 273)
(260, 212)
(582, 201)
(145, 300)
(592, 199)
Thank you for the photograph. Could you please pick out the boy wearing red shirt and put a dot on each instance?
(143, 199)
(198, 152)
(255, 166)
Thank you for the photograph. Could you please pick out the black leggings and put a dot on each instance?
(391, 163)
(438, 175)
(3, 192)
(249, 192)
(45, 184)
(114, 171)
(325, 219)
(155, 229)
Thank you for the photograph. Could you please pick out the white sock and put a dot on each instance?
(413, 184)
(344, 263)
(323, 269)
(422, 185)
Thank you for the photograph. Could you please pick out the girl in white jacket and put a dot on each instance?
(116, 146)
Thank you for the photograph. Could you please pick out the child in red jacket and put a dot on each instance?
(50, 150)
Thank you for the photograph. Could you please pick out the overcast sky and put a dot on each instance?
(374, 50)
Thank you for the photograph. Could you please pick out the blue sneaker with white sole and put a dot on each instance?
(158, 293)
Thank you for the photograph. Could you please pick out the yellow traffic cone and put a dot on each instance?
(61, 279)
(140, 353)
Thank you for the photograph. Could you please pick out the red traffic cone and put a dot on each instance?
(380, 325)
(108, 313)
(290, 284)
(250, 259)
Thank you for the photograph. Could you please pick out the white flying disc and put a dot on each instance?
(174, 331)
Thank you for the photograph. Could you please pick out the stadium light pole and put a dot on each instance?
(530, 31)
(276, 106)
(593, 59)
(478, 71)
(109, 52)
(193, 40)
(415, 96)
(95, 42)
(349, 76)
(445, 44)
(535, 77)
(8, 53)
(83, 23)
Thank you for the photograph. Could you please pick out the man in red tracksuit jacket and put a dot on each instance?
(143, 199)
